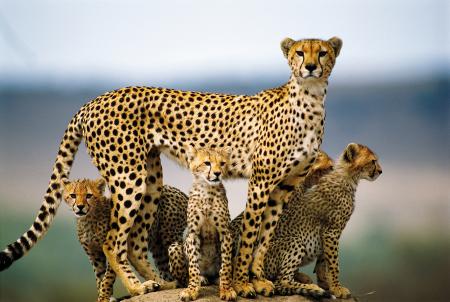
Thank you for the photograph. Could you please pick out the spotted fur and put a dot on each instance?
(92, 209)
(274, 137)
(208, 240)
(311, 226)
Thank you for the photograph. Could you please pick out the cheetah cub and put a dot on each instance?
(92, 209)
(208, 241)
(311, 226)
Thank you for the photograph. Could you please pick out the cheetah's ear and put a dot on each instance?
(286, 44)
(336, 44)
(226, 151)
(350, 152)
(65, 182)
(100, 183)
(191, 153)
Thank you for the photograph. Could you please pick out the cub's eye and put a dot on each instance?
(73, 196)
(207, 163)
(88, 195)
(300, 53)
(322, 53)
(374, 161)
(222, 163)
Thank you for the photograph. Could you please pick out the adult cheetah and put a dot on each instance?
(274, 137)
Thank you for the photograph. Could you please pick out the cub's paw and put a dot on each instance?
(204, 281)
(227, 294)
(150, 286)
(263, 287)
(189, 294)
(340, 292)
(244, 289)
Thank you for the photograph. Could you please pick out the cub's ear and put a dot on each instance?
(286, 44)
(336, 44)
(65, 182)
(191, 153)
(226, 151)
(100, 183)
(350, 152)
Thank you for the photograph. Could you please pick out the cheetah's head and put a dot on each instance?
(81, 194)
(321, 166)
(311, 58)
(209, 164)
(360, 162)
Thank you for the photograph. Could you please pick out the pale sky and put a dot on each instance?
(163, 40)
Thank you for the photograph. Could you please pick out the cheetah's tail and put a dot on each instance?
(303, 290)
(52, 198)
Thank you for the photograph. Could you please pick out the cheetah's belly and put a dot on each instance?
(209, 260)
(313, 247)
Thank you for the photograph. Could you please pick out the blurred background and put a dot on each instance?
(389, 90)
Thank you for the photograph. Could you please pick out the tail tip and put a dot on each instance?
(5, 261)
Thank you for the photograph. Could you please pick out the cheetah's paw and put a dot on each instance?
(189, 294)
(227, 294)
(150, 286)
(340, 292)
(244, 289)
(204, 281)
(263, 287)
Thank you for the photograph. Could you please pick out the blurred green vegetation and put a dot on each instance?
(398, 267)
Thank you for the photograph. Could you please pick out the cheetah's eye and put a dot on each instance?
(300, 53)
(222, 163)
(374, 161)
(73, 196)
(207, 163)
(322, 54)
(88, 195)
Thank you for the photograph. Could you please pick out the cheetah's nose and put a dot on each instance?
(311, 67)
(217, 174)
(380, 171)
(80, 207)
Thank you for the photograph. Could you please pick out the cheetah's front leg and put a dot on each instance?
(277, 199)
(226, 291)
(105, 290)
(192, 249)
(177, 263)
(330, 241)
(321, 272)
(257, 197)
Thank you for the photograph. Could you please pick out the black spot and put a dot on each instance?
(24, 242)
(43, 215)
(31, 236)
(37, 226)
(49, 199)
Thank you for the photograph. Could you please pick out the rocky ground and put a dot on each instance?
(209, 294)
